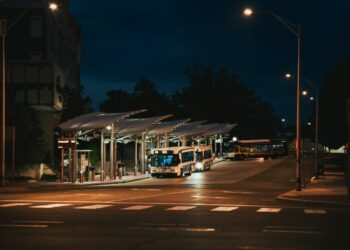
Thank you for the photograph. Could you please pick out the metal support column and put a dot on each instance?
(136, 158)
(111, 154)
(62, 165)
(74, 165)
(102, 157)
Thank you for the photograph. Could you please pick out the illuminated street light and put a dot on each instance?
(312, 98)
(248, 12)
(53, 6)
(288, 75)
(295, 30)
(309, 123)
(283, 120)
(304, 92)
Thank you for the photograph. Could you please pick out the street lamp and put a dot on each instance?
(304, 92)
(4, 29)
(295, 30)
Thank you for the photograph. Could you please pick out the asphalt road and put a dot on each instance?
(233, 206)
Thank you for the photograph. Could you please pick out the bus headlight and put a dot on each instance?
(199, 166)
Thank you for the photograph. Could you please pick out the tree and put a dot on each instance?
(117, 101)
(30, 147)
(74, 104)
(145, 96)
(333, 98)
(221, 96)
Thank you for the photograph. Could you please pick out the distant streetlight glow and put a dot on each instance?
(311, 98)
(288, 75)
(304, 92)
(283, 120)
(53, 6)
(309, 123)
(109, 127)
(248, 12)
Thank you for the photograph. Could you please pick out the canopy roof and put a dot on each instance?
(137, 126)
(219, 129)
(96, 120)
(166, 127)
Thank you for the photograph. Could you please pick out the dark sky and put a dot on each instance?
(159, 39)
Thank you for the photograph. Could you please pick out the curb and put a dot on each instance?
(313, 201)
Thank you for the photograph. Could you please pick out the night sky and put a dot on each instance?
(159, 39)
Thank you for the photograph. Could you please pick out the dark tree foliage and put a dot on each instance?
(74, 104)
(144, 96)
(117, 101)
(333, 98)
(30, 147)
(220, 96)
(214, 96)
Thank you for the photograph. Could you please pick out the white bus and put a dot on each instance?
(204, 158)
(176, 161)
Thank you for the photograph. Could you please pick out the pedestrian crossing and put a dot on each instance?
(179, 208)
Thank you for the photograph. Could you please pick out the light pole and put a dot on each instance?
(295, 30)
(4, 28)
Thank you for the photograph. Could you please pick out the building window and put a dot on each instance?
(36, 27)
(36, 55)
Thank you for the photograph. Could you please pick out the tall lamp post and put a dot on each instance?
(295, 30)
(4, 28)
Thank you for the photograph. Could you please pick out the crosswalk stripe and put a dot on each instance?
(52, 205)
(224, 209)
(180, 208)
(14, 204)
(137, 207)
(97, 206)
(315, 211)
(268, 210)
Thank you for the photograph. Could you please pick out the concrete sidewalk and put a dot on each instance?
(45, 185)
(329, 189)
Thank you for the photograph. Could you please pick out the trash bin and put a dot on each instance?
(91, 173)
(121, 169)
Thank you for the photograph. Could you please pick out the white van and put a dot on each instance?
(176, 161)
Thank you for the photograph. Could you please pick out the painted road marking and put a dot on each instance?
(315, 211)
(187, 229)
(14, 204)
(52, 205)
(145, 189)
(137, 207)
(92, 207)
(268, 210)
(288, 229)
(23, 225)
(38, 221)
(180, 208)
(224, 209)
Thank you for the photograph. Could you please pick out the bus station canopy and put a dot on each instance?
(137, 126)
(96, 120)
(219, 129)
(125, 127)
(163, 128)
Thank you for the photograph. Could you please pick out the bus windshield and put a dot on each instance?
(164, 160)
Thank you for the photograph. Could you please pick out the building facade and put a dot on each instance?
(43, 49)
